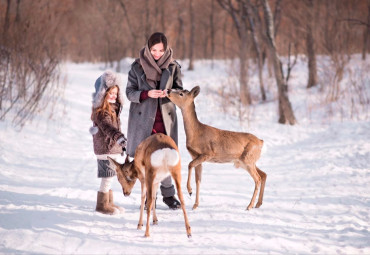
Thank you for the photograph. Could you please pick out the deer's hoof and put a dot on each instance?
(155, 222)
(139, 226)
(188, 231)
(258, 205)
(249, 207)
(195, 206)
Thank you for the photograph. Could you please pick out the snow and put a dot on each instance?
(316, 198)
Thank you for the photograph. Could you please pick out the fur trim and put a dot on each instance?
(107, 80)
(93, 130)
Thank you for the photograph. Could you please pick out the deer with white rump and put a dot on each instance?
(209, 144)
(155, 158)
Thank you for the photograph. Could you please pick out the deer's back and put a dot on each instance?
(222, 145)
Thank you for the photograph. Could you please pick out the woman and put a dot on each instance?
(108, 139)
(151, 111)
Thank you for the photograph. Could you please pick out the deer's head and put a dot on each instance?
(126, 175)
(183, 98)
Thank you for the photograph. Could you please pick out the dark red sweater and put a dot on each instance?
(158, 126)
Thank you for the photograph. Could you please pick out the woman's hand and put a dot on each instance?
(155, 93)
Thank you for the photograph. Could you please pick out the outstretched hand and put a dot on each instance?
(156, 93)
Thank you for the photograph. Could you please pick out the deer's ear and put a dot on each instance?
(195, 91)
(127, 160)
(112, 161)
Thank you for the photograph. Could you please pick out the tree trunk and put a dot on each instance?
(147, 19)
(238, 14)
(312, 69)
(17, 15)
(7, 20)
(245, 96)
(213, 32)
(191, 41)
(180, 42)
(256, 45)
(224, 34)
(133, 35)
(285, 108)
(366, 46)
(277, 16)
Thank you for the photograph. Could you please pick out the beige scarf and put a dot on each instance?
(153, 69)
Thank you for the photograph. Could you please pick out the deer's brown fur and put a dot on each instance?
(151, 174)
(206, 143)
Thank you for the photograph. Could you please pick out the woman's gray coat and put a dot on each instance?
(142, 114)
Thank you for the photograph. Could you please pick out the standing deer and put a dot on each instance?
(155, 158)
(209, 144)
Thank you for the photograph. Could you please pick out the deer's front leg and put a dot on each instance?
(197, 163)
(143, 196)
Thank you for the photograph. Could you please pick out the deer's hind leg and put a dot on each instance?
(149, 178)
(176, 175)
(257, 183)
(262, 189)
(198, 180)
(154, 195)
(248, 161)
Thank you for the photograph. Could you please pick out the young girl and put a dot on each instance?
(107, 136)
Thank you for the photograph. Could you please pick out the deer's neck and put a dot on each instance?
(191, 122)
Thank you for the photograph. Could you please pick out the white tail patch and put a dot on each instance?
(165, 156)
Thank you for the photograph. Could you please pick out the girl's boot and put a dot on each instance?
(102, 204)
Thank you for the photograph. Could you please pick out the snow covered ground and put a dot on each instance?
(317, 196)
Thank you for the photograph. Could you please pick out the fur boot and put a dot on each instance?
(102, 204)
(111, 203)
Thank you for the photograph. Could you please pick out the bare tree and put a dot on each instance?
(238, 14)
(29, 66)
(366, 46)
(286, 115)
(7, 17)
(213, 30)
(191, 37)
(255, 25)
(310, 45)
(180, 35)
(133, 34)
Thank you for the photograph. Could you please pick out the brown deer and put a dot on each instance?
(155, 158)
(206, 143)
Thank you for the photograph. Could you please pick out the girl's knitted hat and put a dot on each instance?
(103, 83)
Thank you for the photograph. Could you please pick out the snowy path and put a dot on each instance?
(316, 198)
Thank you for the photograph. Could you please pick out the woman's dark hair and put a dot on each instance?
(157, 38)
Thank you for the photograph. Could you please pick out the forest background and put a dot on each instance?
(38, 35)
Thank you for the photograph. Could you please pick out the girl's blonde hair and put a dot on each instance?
(105, 106)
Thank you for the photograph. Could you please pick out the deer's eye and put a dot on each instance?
(181, 94)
